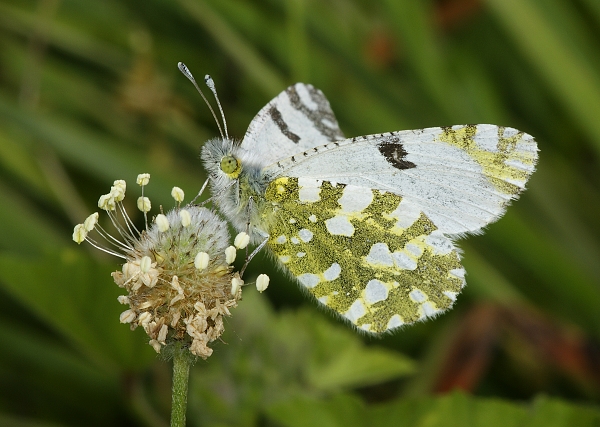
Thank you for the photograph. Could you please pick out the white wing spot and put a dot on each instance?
(332, 272)
(458, 272)
(281, 239)
(518, 182)
(356, 311)
(416, 250)
(340, 226)
(405, 214)
(309, 280)
(375, 291)
(284, 258)
(441, 244)
(519, 165)
(428, 309)
(323, 300)
(380, 255)
(404, 261)
(300, 254)
(305, 235)
(292, 220)
(417, 296)
(305, 97)
(328, 123)
(365, 327)
(355, 199)
(295, 240)
(395, 322)
(312, 218)
(451, 295)
(309, 190)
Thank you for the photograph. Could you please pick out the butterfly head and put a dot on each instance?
(221, 160)
(234, 180)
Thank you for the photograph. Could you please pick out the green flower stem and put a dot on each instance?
(181, 373)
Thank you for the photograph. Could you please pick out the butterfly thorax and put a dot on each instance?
(237, 185)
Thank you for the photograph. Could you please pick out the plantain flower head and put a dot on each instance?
(178, 273)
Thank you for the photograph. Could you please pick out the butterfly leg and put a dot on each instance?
(214, 196)
(253, 254)
(249, 210)
(200, 192)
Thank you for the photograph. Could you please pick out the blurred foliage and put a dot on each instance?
(90, 93)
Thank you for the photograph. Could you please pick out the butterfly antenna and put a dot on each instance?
(186, 72)
(211, 85)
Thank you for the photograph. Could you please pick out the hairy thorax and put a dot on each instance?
(242, 201)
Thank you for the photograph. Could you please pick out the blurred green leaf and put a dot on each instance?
(555, 271)
(293, 354)
(550, 412)
(243, 53)
(8, 421)
(357, 366)
(79, 299)
(78, 42)
(422, 50)
(38, 362)
(340, 411)
(455, 409)
(16, 158)
(571, 80)
(487, 281)
(23, 227)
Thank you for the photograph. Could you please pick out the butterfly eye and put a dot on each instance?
(230, 165)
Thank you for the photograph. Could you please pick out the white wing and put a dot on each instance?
(298, 119)
(461, 177)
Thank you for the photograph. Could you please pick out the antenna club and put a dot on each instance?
(211, 85)
(209, 82)
(186, 72)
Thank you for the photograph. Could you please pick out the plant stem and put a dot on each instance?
(181, 374)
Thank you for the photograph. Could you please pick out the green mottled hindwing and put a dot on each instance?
(367, 254)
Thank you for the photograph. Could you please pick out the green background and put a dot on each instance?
(90, 93)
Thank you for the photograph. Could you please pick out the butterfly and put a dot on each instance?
(367, 224)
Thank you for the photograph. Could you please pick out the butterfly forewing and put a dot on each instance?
(462, 177)
(298, 119)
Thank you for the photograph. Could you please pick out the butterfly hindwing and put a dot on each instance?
(369, 255)
(298, 119)
(462, 177)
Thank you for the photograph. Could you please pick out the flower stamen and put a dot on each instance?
(178, 271)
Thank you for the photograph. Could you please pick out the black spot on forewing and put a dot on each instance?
(395, 154)
(322, 118)
(282, 125)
